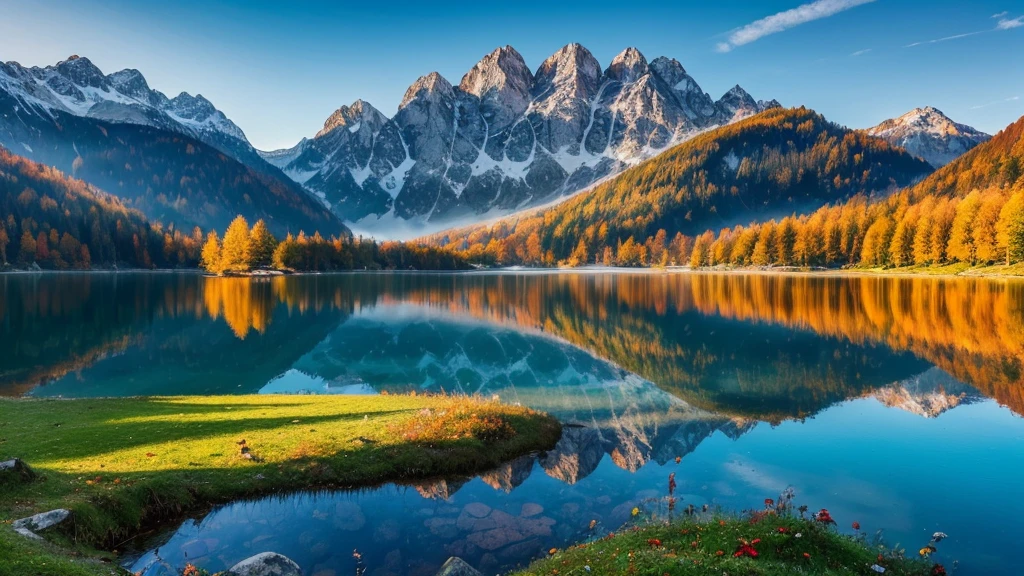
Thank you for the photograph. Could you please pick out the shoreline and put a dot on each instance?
(999, 271)
(143, 463)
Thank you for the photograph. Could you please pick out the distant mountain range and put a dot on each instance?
(505, 138)
(178, 160)
(929, 134)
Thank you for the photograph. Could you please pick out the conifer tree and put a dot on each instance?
(261, 245)
(210, 257)
(234, 251)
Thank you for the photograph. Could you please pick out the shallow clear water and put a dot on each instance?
(892, 402)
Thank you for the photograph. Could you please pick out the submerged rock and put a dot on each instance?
(457, 567)
(265, 564)
(29, 527)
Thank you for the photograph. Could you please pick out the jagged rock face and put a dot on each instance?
(930, 135)
(505, 138)
(76, 86)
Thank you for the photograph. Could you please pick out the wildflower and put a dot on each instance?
(824, 517)
(553, 551)
(720, 553)
(939, 536)
(783, 530)
(878, 568)
(721, 522)
(593, 523)
(856, 525)
(654, 543)
(190, 570)
(799, 535)
(679, 459)
(636, 511)
(768, 502)
(807, 556)
(671, 483)
(926, 551)
(693, 544)
(747, 549)
(938, 570)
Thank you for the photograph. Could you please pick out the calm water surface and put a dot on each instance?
(894, 402)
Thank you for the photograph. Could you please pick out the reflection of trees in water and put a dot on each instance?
(749, 344)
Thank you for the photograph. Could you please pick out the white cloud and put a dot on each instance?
(861, 52)
(785, 20)
(1003, 101)
(1001, 14)
(1006, 24)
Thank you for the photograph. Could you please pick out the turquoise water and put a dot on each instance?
(895, 403)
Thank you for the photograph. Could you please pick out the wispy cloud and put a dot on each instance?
(1003, 101)
(1003, 24)
(861, 52)
(947, 38)
(1006, 24)
(785, 20)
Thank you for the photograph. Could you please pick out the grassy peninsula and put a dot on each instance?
(121, 465)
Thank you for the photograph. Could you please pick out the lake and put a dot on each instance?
(893, 402)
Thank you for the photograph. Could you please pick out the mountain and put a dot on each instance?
(504, 138)
(180, 160)
(929, 134)
(969, 212)
(777, 162)
(53, 221)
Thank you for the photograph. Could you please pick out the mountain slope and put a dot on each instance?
(968, 213)
(929, 134)
(777, 162)
(178, 160)
(504, 138)
(59, 222)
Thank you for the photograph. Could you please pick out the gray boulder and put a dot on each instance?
(265, 564)
(16, 470)
(29, 527)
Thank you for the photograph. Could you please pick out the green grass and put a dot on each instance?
(122, 465)
(708, 547)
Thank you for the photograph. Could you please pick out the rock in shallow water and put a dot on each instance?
(265, 564)
(457, 567)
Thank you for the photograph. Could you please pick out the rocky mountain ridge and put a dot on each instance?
(930, 135)
(504, 138)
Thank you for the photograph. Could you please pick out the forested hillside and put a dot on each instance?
(59, 222)
(778, 162)
(172, 178)
(969, 212)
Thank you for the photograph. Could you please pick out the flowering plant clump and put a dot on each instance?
(824, 517)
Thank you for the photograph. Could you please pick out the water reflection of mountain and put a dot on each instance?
(749, 346)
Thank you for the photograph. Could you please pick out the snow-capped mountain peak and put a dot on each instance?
(503, 139)
(628, 66)
(77, 86)
(929, 134)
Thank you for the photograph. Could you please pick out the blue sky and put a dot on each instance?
(278, 69)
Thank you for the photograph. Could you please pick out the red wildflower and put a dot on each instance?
(856, 525)
(824, 517)
(768, 502)
(783, 529)
(938, 570)
(747, 549)
(671, 483)
(720, 553)
(654, 543)
(756, 541)
(807, 556)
